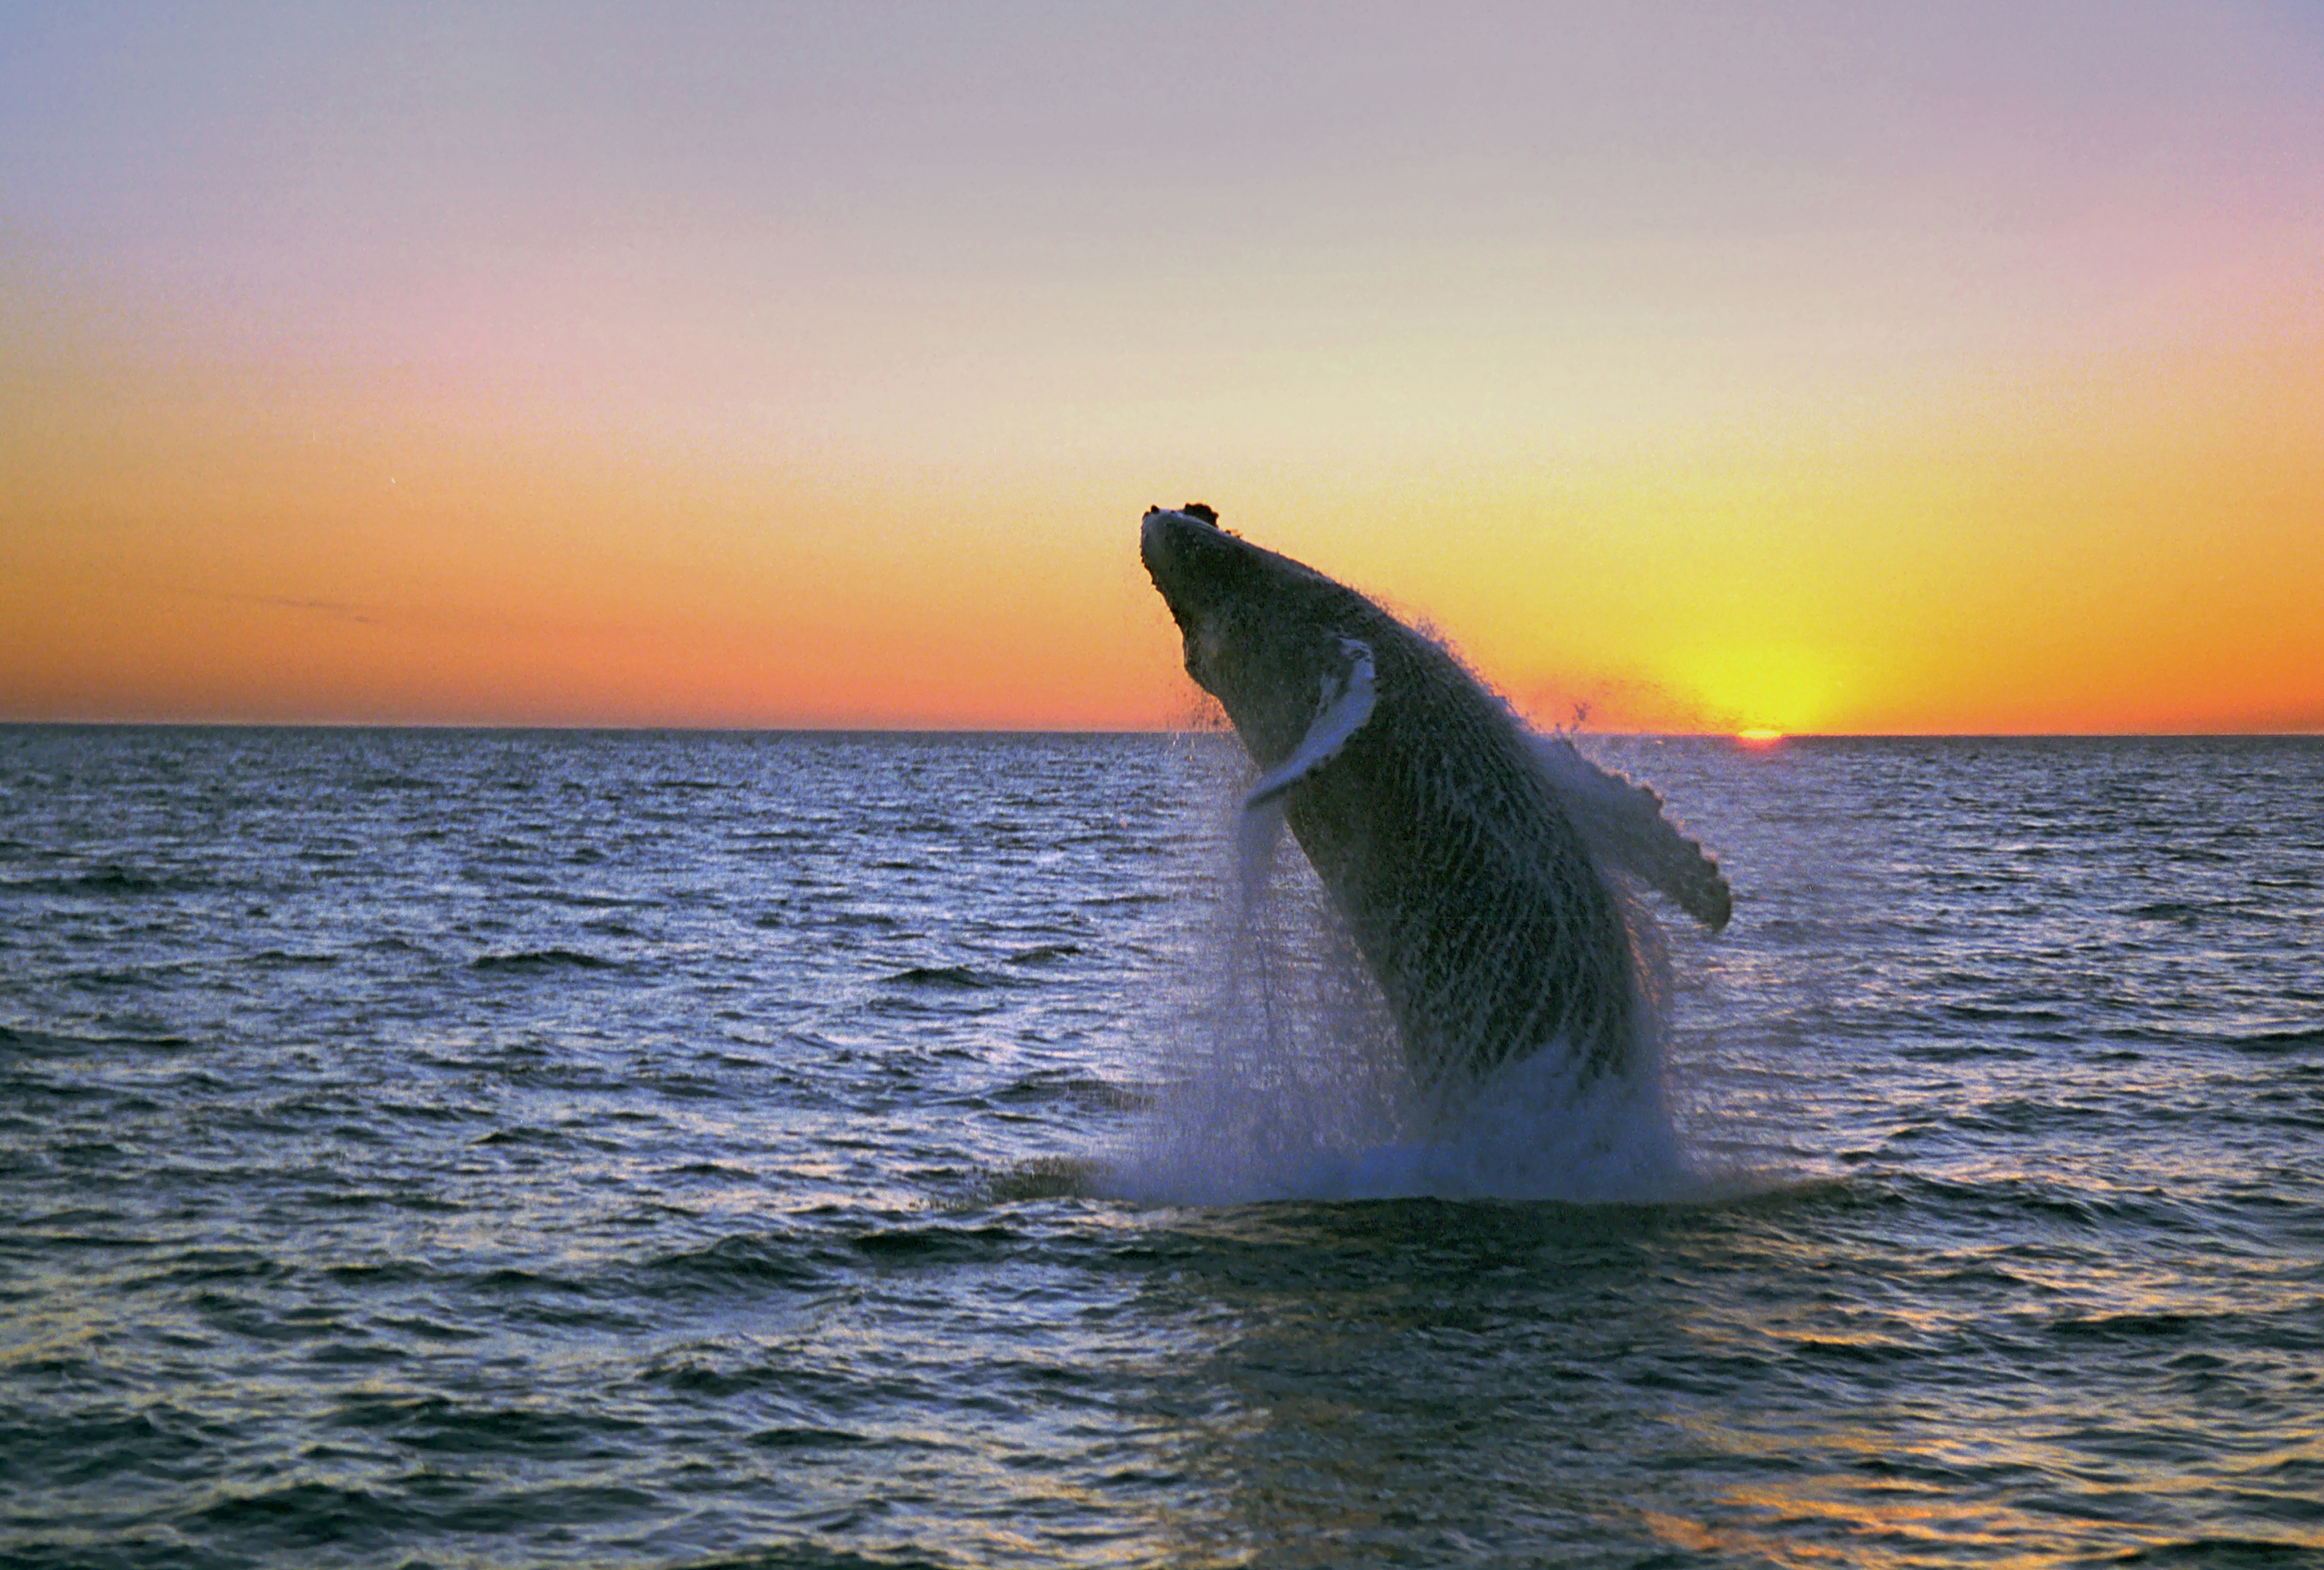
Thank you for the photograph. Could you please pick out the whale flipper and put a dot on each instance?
(1623, 822)
(1346, 704)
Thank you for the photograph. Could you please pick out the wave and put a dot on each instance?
(959, 977)
(103, 883)
(536, 961)
(1044, 953)
(2291, 1040)
(745, 1264)
(1058, 1085)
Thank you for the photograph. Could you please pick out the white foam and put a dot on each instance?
(1291, 1085)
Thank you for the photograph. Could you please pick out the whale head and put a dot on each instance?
(1263, 634)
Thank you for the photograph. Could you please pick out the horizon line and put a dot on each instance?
(1746, 737)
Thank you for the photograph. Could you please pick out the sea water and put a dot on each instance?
(513, 1149)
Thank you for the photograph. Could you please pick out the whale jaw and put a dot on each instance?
(1197, 570)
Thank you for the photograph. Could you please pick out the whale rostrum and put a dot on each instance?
(1467, 857)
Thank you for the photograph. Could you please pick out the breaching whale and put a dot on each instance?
(1466, 858)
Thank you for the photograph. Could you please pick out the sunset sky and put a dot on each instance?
(1858, 368)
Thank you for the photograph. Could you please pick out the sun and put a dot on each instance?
(1761, 693)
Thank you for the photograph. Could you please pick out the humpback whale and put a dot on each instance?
(1468, 858)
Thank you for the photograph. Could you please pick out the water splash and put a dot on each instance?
(1291, 1082)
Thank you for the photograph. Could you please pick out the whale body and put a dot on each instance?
(1466, 858)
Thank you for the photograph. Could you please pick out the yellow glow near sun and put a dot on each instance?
(1762, 694)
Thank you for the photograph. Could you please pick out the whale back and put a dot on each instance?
(1468, 889)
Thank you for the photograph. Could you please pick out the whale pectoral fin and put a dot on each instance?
(1685, 873)
(1345, 705)
(1624, 824)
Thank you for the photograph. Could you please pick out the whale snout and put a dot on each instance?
(1182, 549)
(1171, 538)
(1196, 567)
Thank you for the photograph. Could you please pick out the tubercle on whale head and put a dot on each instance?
(1200, 510)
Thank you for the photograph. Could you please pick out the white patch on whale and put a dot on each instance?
(1347, 703)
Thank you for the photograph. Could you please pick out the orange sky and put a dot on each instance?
(1847, 372)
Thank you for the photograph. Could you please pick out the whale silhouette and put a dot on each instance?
(1467, 856)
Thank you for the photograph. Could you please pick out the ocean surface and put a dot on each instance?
(520, 1148)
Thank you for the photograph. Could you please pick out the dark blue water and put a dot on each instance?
(490, 1148)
